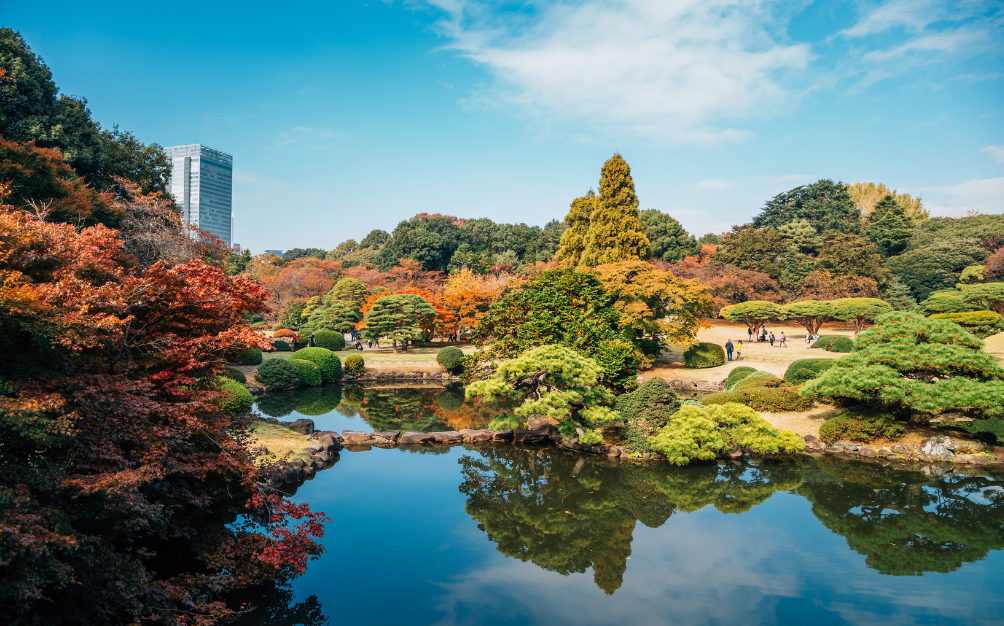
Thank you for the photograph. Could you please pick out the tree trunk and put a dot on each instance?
(394, 345)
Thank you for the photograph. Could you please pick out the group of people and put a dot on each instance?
(765, 337)
(730, 348)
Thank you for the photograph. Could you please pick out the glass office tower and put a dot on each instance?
(202, 185)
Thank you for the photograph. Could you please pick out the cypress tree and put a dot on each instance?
(889, 227)
(573, 240)
(615, 230)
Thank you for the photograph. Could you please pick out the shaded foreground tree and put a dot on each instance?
(129, 495)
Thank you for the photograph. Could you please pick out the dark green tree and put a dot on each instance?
(235, 263)
(889, 227)
(28, 100)
(937, 266)
(844, 254)
(375, 239)
(826, 205)
(615, 232)
(429, 240)
(299, 253)
(399, 317)
(670, 242)
(755, 249)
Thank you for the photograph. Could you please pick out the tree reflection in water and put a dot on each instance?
(567, 513)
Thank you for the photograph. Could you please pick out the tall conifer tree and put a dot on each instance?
(615, 231)
(889, 226)
(573, 240)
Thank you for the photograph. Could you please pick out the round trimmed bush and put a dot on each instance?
(328, 361)
(840, 344)
(355, 365)
(278, 375)
(762, 399)
(982, 324)
(451, 358)
(704, 355)
(235, 374)
(283, 332)
(823, 341)
(250, 356)
(804, 370)
(738, 374)
(310, 374)
(750, 378)
(330, 339)
(860, 427)
(238, 400)
(282, 346)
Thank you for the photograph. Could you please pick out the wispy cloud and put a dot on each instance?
(994, 152)
(983, 195)
(305, 136)
(667, 70)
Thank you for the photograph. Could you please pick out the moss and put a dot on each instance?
(863, 427)
(704, 355)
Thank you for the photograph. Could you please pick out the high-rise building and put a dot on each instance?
(202, 184)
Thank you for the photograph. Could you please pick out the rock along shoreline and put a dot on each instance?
(938, 456)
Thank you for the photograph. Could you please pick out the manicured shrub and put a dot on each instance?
(704, 355)
(982, 324)
(450, 358)
(646, 410)
(283, 332)
(762, 399)
(840, 344)
(250, 356)
(325, 359)
(738, 374)
(355, 365)
(329, 339)
(860, 427)
(823, 341)
(806, 369)
(309, 372)
(755, 374)
(235, 374)
(239, 399)
(259, 324)
(277, 375)
(282, 346)
(758, 380)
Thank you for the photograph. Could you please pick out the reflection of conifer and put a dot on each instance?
(610, 562)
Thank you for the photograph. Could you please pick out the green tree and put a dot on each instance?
(465, 256)
(573, 240)
(235, 263)
(860, 311)
(28, 100)
(754, 249)
(942, 229)
(399, 317)
(429, 240)
(800, 235)
(826, 205)
(549, 240)
(670, 242)
(754, 313)
(299, 253)
(375, 239)
(810, 313)
(936, 266)
(845, 254)
(889, 227)
(346, 247)
(989, 296)
(615, 232)
(554, 381)
(908, 363)
(350, 291)
(898, 295)
(866, 195)
(948, 301)
(561, 307)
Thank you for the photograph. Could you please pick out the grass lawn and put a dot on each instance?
(279, 440)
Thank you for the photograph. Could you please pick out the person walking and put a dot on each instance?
(783, 340)
(729, 348)
(296, 341)
(772, 340)
(750, 332)
(312, 344)
(739, 349)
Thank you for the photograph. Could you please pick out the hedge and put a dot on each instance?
(450, 358)
(979, 323)
(860, 427)
(704, 355)
(310, 374)
(804, 370)
(278, 375)
(762, 399)
(330, 339)
(738, 374)
(355, 365)
(328, 362)
(755, 374)
(235, 374)
(282, 346)
(758, 380)
(283, 332)
(834, 343)
(238, 400)
(250, 356)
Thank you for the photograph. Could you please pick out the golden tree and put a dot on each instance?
(615, 230)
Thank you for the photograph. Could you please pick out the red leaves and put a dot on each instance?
(289, 548)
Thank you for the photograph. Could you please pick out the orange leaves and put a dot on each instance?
(468, 296)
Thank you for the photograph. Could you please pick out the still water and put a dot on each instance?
(502, 535)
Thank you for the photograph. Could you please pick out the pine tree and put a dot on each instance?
(573, 240)
(615, 230)
(889, 227)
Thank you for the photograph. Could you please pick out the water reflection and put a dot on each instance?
(428, 409)
(566, 513)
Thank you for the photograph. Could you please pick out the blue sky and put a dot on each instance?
(348, 116)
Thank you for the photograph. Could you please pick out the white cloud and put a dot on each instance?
(681, 70)
(983, 195)
(994, 152)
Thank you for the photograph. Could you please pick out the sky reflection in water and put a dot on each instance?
(499, 535)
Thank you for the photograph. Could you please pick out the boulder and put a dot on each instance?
(613, 451)
(476, 435)
(414, 437)
(867, 453)
(302, 426)
(390, 436)
(529, 436)
(937, 446)
(502, 435)
(313, 448)
(256, 391)
(331, 443)
(450, 436)
(833, 450)
(355, 436)
(898, 449)
(962, 459)
(539, 422)
(358, 447)
(318, 462)
(810, 439)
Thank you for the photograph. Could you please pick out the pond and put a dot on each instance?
(506, 535)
